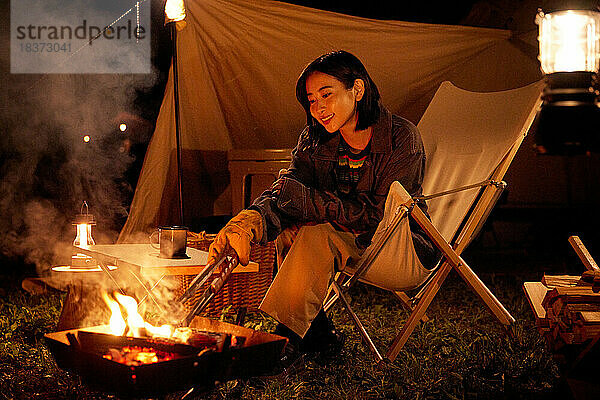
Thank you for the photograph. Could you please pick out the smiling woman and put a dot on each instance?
(338, 93)
(328, 204)
(334, 107)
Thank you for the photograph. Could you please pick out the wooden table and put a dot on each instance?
(144, 258)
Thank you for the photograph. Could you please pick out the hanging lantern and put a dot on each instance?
(569, 58)
(175, 12)
(83, 223)
(569, 41)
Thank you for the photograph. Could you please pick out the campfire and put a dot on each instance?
(147, 344)
(134, 357)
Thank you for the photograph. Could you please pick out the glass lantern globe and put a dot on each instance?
(569, 41)
(84, 222)
(83, 239)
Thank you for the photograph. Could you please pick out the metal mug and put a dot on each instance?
(172, 241)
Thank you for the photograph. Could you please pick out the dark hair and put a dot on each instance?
(346, 68)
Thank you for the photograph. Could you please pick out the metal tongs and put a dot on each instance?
(228, 261)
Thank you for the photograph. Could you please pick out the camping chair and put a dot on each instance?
(470, 140)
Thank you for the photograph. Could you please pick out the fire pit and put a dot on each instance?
(216, 351)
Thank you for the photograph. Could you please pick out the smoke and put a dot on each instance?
(47, 169)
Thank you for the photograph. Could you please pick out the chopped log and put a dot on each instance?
(592, 278)
(535, 294)
(575, 294)
(553, 281)
(567, 313)
(583, 254)
(567, 309)
(590, 317)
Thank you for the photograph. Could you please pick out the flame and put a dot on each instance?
(117, 323)
(136, 324)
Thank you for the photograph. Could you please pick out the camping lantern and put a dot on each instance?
(569, 58)
(83, 223)
(569, 41)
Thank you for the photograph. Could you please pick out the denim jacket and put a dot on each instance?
(309, 193)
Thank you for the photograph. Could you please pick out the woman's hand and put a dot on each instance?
(239, 232)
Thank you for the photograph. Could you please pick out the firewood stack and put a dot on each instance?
(572, 313)
(567, 307)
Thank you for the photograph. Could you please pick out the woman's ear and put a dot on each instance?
(359, 89)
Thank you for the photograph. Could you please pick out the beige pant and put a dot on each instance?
(299, 289)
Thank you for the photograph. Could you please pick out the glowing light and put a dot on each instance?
(116, 323)
(137, 326)
(123, 127)
(174, 11)
(569, 41)
(135, 322)
(84, 235)
(86, 138)
(83, 239)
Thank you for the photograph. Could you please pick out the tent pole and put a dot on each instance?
(177, 123)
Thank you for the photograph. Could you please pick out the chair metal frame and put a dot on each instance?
(488, 196)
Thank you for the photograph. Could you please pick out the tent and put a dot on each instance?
(238, 63)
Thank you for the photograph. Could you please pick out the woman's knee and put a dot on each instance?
(314, 232)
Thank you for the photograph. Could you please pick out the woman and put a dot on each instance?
(335, 189)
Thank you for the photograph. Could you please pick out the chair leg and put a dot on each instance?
(331, 298)
(357, 322)
(485, 294)
(408, 304)
(463, 269)
(418, 312)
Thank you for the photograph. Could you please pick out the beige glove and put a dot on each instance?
(239, 232)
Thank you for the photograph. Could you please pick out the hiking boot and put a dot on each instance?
(291, 362)
(322, 337)
(327, 345)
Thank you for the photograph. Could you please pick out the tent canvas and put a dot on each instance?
(238, 63)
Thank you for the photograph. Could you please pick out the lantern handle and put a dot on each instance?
(86, 208)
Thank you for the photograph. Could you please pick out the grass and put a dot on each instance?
(461, 353)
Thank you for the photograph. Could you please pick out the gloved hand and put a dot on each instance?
(242, 229)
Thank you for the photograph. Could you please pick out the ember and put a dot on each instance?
(136, 355)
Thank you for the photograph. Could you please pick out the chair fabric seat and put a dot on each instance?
(396, 265)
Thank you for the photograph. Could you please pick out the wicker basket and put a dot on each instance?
(243, 289)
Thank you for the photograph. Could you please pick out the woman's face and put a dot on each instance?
(331, 103)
